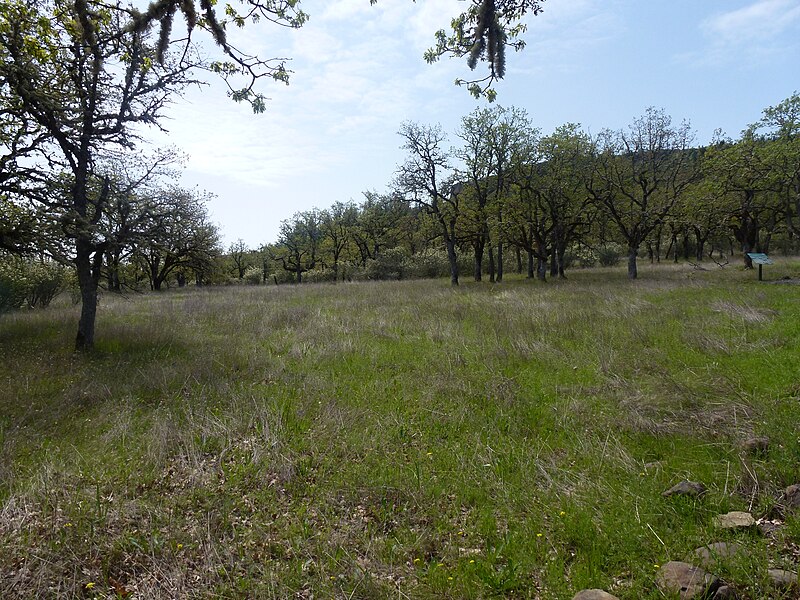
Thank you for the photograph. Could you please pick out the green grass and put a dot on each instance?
(398, 439)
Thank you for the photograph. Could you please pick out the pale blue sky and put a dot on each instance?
(358, 73)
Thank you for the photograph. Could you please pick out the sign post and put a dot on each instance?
(760, 259)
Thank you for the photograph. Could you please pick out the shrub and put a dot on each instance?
(429, 264)
(609, 255)
(570, 259)
(580, 255)
(13, 286)
(30, 282)
(390, 264)
(46, 280)
(318, 275)
(283, 276)
(253, 275)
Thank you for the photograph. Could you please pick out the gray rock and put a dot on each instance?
(594, 595)
(791, 496)
(756, 445)
(686, 488)
(688, 581)
(782, 579)
(769, 528)
(709, 556)
(734, 520)
(725, 592)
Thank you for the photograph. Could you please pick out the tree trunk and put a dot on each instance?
(686, 249)
(632, 272)
(764, 246)
(748, 243)
(541, 269)
(491, 264)
(478, 246)
(499, 263)
(112, 276)
(674, 244)
(453, 260)
(560, 252)
(530, 264)
(700, 243)
(519, 259)
(87, 283)
(670, 247)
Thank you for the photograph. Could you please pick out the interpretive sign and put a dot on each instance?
(759, 259)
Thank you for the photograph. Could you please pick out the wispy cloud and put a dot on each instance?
(760, 21)
(747, 36)
(357, 77)
(567, 29)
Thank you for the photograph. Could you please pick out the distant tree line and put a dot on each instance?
(503, 197)
(507, 195)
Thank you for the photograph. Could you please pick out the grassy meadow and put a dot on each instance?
(399, 439)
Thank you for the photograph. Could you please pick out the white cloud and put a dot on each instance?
(750, 36)
(759, 20)
(567, 29)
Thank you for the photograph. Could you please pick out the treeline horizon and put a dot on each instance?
(564, 197)
(502, 196)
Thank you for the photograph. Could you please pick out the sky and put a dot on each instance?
(358, 73)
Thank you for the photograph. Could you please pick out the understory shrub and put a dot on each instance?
(390, 264)
(318, 275)
(609, 255)
(253, 275)
(429, 264)
(29, 282)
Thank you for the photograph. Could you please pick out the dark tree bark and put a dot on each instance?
(632, 269)
(499, 277)
(477, 248)
(531, 271)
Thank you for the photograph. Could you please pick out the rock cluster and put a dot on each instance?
(690, 581)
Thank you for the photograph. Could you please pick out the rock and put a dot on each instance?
(685, 488)
(709, 556)
(769, 528)
(725, 592)
(594, 595)
(734, 520)
(688, 581)
(756, 445)
(782, 579)
(791, 496)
